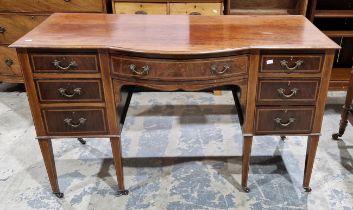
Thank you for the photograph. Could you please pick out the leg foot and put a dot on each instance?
(123, 192)
(283, 138)
(307, 189)
(336, 136)
(81, 140)
(246, 189)
(59, 194)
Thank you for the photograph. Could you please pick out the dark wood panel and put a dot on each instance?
(64, 63)
(287, 91)
(69, 90)
(284, 120)
(157, 69)
(291, 63)
(71, 121)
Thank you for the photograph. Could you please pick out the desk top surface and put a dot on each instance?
(175, 34)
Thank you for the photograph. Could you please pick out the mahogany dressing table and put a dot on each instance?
(78, 69)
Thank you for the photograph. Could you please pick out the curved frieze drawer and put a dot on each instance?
(158, 69)
(72, 121)
(287, 91)
(64, 63)
(285, 120)
(291, 63)
(195, 8)
(69, 90)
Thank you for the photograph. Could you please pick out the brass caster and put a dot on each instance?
(336, 136)
(123, 192)
(246, 189)
(59, 194)
(307, 189)
(81, 140)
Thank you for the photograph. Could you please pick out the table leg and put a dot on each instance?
(116, 149)
(309, 160)
(246, 162)
(48, 156)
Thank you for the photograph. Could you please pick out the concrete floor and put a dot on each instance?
(161, 130)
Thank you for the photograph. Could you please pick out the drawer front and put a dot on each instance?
(140, 8)
(13, 26)
(277, 91)
(64, 63)
(284, 120)
(195, 8)
(52, 5)
(9, 64)
(69, 90)
(155, 69)
(73, 121)
(291, 64)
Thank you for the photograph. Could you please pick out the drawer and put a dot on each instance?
(64, 63)
(9, 64)
(72, 121)
(69, 90)
(158, 69)
(140, 8)
(284, 120)
(195, 8)
(288, 91)
(291, 64)
(52, 6)
(14, 26)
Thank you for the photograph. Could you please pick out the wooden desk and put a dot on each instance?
(78, 66)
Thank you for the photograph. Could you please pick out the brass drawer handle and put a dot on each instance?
(145, 69)
(67, 0)
(56, 63)
(281, 92)
(298, 63)
(9, 62)
(2, 29)
(63, 92)
(72, 124)
(214, 69)
(285, 124)
(194, 13)
(140, 12)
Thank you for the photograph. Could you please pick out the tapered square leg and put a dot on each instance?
(48, 156)
(246, 162)
(309, 160)
(116, 149)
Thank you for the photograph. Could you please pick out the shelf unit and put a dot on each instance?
(335, 19)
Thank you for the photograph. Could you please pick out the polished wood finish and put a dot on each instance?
(17, 17)
(69, 90)
(49, 6)
(64, 63)
(171, 70)
(130, 56)
(294, 92)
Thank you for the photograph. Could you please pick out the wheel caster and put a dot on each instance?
(59, 194)
(283, 138)
(307, 189)
(246, 189)
(81, 140)
(123, 192)
(336, 136)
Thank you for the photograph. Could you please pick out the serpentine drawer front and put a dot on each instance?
(287, 91)
(80, 80)
(284, 120)
(64, 63)
(291, 63)
(69, 90)
(193, 69)
(74, 121)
